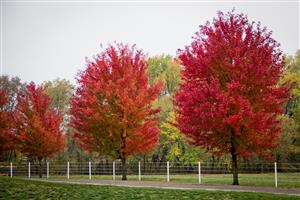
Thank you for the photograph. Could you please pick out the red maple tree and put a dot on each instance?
(229, 100)
(7, 136)
(112, 110)
(38, 125)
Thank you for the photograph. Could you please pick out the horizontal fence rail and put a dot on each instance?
(265, 174)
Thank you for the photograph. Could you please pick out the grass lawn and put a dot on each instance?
(285, 180)
(14, 188)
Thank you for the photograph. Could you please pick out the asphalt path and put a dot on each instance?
(180, 186)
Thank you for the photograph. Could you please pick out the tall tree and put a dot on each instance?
(60, 92)
(7, 136)
(112, 109)
(288, 151)
(164, 68)
(290, 136)
(179, 150)
(167, 69)
(9, 87)
(292, 76)
(38, 126)
(229, 100)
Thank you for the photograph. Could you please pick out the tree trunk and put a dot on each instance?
(213, 163)
(144, 162)
(234, 166)
(10, 156)
(124, 173)
(40, 168)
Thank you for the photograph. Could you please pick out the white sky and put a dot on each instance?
(44, 40)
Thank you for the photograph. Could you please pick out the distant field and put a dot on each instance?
(285, 180)
(14, 188)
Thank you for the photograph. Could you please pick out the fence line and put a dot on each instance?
(275, 171)
(28, 169)
(68, 170)
(167, 169)
(90, 170)
(140, 175)
(47, 169)
(114, 171)
(199, 172)
(168, 172)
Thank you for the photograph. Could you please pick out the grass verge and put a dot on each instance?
(14, 188)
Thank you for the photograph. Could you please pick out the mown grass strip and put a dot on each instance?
(14, 188)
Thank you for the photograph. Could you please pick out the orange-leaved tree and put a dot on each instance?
(112, 110)
(38, 125)
(7, 136)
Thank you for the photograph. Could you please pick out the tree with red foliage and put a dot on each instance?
(38, 125)
(229, 100)
(112, 110)
(7, 137)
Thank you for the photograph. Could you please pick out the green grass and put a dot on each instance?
(14, 188)
(285, 180)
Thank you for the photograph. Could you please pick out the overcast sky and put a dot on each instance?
(45, 40)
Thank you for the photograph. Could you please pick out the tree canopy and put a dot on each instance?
(112, 110)
(38, 126)
(230, 99)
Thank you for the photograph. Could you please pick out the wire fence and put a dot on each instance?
(266, 174)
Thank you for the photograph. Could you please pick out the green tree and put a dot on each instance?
(289, 148)
(60, 91)
(290, 136)
(292, 77)
(165, 104)
(166, 69)
(11, 86)
(179, 149)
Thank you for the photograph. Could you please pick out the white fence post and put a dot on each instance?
(68, 170)
(140, 171)
(168, 172)
(28, 169)
(275, 169)
(90, 170)
(47, 169)
(114, 171)
(11, 170)
(199, 171)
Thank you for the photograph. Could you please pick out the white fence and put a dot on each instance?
(269, 174)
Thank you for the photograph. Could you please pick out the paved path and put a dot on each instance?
(165, 185)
